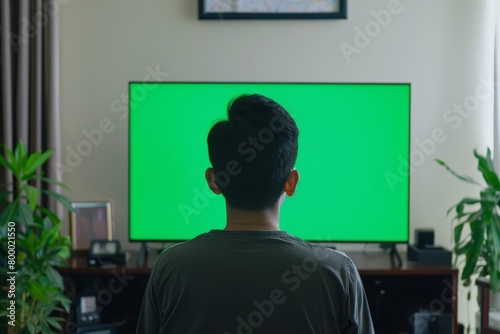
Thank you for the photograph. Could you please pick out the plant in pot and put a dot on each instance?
(32, 247)
(477, 226)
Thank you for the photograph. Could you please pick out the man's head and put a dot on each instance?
(253, 153)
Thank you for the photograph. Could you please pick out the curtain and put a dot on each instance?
(29, 93)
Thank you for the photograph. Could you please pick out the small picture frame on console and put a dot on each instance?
(90, 221)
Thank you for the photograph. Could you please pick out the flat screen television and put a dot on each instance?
(353, 159)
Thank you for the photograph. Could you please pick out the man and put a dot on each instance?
(251, 277)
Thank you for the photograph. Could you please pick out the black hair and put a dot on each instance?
(253, 152)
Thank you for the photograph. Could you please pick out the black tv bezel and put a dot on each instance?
(280, 83)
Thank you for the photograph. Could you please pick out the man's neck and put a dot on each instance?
(243, 220)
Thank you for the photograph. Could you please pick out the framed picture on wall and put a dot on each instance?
(90, 221)
(272, 9)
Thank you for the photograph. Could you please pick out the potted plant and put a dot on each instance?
(32, 246)
(480, 246)
(477, 228)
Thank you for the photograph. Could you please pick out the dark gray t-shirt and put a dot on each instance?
(253, 282)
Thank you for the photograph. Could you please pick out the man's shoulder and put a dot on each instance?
(216, 241)
(183, 247)
(320, 251)
(327, 256)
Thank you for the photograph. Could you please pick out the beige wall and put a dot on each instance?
(441, 47)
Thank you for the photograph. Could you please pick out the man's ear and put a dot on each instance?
(291, 183)
(210, 177)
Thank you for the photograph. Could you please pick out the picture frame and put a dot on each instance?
(90, 221)
(271, 9)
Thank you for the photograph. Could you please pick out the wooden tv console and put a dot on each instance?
(394, 294)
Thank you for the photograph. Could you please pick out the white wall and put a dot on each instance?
(441, 47)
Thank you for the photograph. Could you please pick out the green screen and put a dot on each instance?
(351, 136)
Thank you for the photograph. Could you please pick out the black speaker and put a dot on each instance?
(428, 322)
(424, 237)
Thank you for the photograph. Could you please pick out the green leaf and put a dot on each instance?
(472, 255)
(48, 224)
(21, 155)
(12, 159)
(23, 305)
(66, 304)
(44, 327)
(458, 233)
(37, 291)
(52, 257)
(31, 244)
(52, 216)
(31, 327)
(488, 202)
(33, 195)
(64, 253)
(47, 237)
(463, 178)
(63, 300)
(30, 162)
(469, 267)
(62, 199)
(460, 250)
(459, 207)
(25, 215)
(485, 166)
(54, 278)
(473, 217)
(5, 163)
(51, 181)
(8, 214)
(37, 161)
(54, 322)
(461, 216)
(494, 252)
(58, 319)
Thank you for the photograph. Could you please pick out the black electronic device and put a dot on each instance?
(425, 252)
(430, 322)
(98, 329)
(434, 255)
(424, 237)
(105, 252)
(87, 312)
